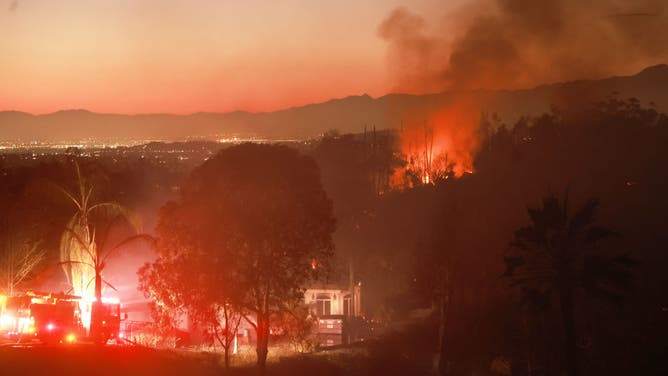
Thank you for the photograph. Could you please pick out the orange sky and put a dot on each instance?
(142, 56)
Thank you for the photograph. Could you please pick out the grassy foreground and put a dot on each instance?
(391, 355)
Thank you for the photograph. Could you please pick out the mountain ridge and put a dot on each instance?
(347, 114)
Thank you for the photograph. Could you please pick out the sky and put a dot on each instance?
(185, 56)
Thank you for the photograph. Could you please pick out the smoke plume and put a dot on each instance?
(523, 43)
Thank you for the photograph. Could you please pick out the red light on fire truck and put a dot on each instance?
(70, 338)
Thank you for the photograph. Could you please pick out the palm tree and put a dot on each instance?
(558, 253)
(84, 251)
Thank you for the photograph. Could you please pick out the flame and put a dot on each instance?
(440, 146)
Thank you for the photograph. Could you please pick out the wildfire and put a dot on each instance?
(439, 146)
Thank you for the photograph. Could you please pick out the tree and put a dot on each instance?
(441, 271)
(19, 262)
(435, 268)
(88, 242)
(257, 217)
(191, 278)
(297, 325)
(558, 253)
(224, 321)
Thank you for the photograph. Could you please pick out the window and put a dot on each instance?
(347, 306)
(323, 305)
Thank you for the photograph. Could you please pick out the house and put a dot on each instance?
(328, 300)
(338, 312)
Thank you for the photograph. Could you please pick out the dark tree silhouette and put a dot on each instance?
(259, 214)
(558, 253)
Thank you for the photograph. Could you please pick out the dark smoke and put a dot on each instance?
(524, 43)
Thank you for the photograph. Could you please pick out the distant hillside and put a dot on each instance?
(350, 114)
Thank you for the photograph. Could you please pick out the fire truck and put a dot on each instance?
(55, 318)
(106, 321)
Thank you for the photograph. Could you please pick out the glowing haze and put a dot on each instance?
(169, 56)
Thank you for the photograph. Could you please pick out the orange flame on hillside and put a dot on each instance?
(440, 146)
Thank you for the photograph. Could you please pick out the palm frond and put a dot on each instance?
(602, 270)
(125, 242)
(551, 214)
(115, 210)
(73, 234)
(80, 181)
(67, 194)
(87, 198)
(598, 233)
(583, 217)
(109, 284)
(89, 282)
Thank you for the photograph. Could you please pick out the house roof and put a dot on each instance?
(326, 286)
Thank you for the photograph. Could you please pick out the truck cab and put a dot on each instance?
(58, 322)
(106, 321)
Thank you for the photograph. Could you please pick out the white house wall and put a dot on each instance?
(336, 297)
